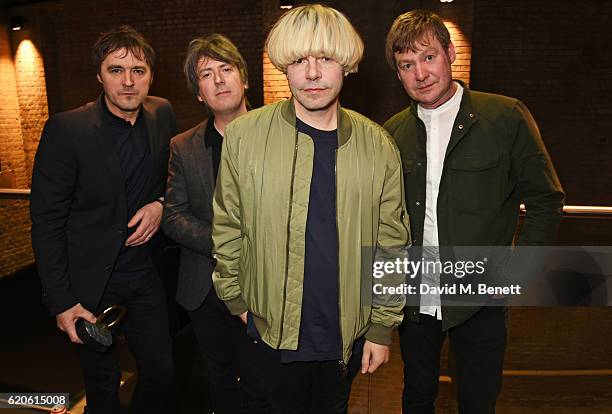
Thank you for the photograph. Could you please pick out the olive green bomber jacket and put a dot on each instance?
(260, 210)
(495, 160)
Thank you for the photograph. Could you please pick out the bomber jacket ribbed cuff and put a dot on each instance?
(380, 334)
(236, 306)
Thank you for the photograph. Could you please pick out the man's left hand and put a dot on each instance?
(374, 355)
(149, 217)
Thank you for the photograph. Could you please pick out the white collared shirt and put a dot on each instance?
(439, 125)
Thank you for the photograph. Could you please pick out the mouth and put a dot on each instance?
(223, 93)
(313, 90)
(128, 93)
(425, 88)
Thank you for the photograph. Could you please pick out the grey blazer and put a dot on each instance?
(187, 217)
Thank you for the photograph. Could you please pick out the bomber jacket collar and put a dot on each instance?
(344, 122)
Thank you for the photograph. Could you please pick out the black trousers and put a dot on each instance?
(317, 387)
(148, 338)
(478, 346)
(234, 376)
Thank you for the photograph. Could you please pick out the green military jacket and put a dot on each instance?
(260, 210)
(495, 160)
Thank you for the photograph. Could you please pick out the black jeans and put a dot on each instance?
(148, 338)
(317, 387)
(234, 376)
(477, 346)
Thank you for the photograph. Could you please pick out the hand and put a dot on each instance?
(149, 217)
(243, 317)
(66, 320)
(374, 355)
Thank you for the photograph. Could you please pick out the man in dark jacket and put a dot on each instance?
(469, 160)
(97, 191)
(216, 73)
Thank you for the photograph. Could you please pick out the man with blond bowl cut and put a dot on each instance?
(305, 186)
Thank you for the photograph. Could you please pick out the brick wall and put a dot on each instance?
(32, 96)
(12, 159)
(14, 215)
(275, 86)
(15, 241)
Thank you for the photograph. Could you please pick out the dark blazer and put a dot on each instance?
(78, 202)
(187, 217)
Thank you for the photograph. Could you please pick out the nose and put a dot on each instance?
(420, 72)
(313, 71)
(218, 77)
(127, 78)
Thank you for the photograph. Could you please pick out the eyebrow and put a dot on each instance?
(110, 67)
(209, 68)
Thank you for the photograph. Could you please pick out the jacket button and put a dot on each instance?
(460, 126)
(419, 164)
(108, 267)
(418, 203)
(471, 115)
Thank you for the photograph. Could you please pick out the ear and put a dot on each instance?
(151, 81)
(200, 98)
(99, 78)
(398, 75)
(451, 52)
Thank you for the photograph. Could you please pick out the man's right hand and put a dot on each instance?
(243, 317)
(67, 319)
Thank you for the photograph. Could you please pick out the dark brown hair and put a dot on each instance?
(214, 46)
(413, 28)
(123, 37)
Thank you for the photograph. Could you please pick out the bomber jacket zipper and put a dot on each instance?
(343, 365)
(282, 321)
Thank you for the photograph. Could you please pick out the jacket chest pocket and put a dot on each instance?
(475, 181)
(410, 181)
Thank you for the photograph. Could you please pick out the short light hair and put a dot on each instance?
(213, 46)
(412, 29)
(314, 30)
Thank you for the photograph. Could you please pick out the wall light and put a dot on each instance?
(286, 4)
(17, 22)
(446, 1)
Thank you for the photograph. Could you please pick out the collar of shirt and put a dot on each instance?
(453, 102)
(314, 132)
(117, 121)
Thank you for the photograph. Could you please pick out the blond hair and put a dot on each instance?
(314, 30)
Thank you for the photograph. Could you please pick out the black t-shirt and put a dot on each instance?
(320, 338)
(212, 138)
(134, 153)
